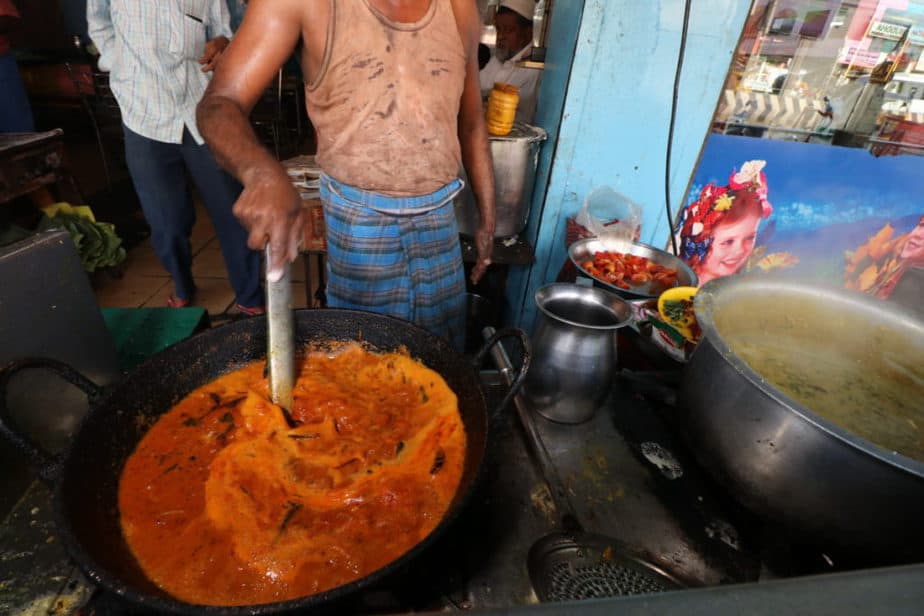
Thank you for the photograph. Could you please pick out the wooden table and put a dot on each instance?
(507, 251)
(29, 161)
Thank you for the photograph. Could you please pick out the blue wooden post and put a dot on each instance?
(608, 116)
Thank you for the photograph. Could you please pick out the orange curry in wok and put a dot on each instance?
(223, 503)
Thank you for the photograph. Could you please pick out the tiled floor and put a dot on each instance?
(144, 283)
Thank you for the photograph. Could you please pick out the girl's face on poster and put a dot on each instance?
(732, 244)
(914, 246)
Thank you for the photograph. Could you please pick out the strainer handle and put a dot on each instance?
(513, 378)
(543, 458)
(45, 463)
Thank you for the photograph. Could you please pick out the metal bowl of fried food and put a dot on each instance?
(658, 270)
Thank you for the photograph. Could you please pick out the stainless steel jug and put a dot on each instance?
(574, 350)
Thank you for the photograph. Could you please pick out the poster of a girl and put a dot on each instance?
(719, 229)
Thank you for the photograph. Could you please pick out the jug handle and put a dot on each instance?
(46, 464)
(499, 354)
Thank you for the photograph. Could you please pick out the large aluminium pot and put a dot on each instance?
(777, 457)
(86, 477)
(515, 157)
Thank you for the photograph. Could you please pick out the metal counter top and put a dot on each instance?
(626, 478)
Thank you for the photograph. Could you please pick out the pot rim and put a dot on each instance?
(600, 297)
(523, 132)
(704, 304)
(664, 257)
(110, 582)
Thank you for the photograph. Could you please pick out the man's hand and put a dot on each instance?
(213, 49)
(484, 245)
(270, 208)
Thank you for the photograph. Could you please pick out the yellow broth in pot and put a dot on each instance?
(837, 362)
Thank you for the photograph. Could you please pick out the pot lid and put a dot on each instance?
(522, 132)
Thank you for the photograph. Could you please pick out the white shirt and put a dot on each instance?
(526, 79)
(151, 51)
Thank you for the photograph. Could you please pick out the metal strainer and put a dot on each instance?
(572, 565)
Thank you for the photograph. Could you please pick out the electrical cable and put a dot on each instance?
(670, 129)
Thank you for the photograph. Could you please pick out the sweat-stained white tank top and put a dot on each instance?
(385, 104)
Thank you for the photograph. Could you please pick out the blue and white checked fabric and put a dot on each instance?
(151, 50)
(398, 256)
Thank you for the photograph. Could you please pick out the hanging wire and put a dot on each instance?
(670, 130)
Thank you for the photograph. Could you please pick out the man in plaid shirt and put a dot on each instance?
(160, 56)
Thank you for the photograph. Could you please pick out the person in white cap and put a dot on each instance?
(514, 25)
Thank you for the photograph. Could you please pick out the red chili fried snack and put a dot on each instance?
(627, 270)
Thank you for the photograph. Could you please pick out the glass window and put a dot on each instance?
(845, 73)
(814, 161)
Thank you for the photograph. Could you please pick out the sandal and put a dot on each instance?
(175, 302)
(252, 311)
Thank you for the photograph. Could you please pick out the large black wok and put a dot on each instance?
(86, 477)
(781, 459)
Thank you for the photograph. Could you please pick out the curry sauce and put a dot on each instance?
(223, 503)
(878, 397)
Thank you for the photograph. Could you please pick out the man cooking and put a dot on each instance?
(392, 90)
(513, 23)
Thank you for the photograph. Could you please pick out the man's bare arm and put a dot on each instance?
(269, 207)
(473, 137)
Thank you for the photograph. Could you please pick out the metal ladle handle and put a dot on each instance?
(280, 351)
(543, 457)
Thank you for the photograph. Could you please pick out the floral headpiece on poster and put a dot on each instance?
(701, 217)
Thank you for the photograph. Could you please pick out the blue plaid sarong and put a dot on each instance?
(398, 256)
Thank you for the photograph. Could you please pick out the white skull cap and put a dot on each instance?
(526, 8)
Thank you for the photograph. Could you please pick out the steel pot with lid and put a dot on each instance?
(516, 156)
(807, 404)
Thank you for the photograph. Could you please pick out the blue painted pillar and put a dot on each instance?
(608, 116)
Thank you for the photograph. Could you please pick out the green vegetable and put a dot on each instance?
(96, 242)
(676, 310)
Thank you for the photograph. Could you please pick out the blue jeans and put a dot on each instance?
(158, 172)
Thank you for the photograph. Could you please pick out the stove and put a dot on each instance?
(626, 474)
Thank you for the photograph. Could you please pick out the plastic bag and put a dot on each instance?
(606, 214)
